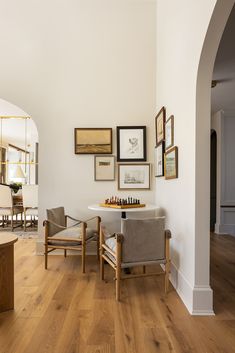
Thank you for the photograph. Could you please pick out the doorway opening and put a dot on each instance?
(18, 169)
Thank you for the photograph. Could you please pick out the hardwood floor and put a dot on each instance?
(62, 311)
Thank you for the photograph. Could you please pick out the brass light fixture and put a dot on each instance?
(18, 172)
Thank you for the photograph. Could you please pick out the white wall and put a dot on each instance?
(85, 63)
(182, 27)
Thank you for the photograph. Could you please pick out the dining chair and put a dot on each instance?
(142, 242)
(30, 202)
(58, 235)
(7, 208)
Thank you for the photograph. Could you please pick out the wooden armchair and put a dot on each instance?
(141, 243)
(59, 236)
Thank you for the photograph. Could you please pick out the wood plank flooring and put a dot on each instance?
(62, 311)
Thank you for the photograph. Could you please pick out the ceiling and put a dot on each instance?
(223, 95)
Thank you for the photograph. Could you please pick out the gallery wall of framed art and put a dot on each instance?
(165, 153)
(131, 147)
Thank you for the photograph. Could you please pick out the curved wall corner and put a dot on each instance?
(203, 294)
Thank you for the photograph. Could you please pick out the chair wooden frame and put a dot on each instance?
(80, 247)
(117, 261)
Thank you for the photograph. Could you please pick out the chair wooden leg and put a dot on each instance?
(98, 249)
(12, 228)
(65, 253)
(46, 256)
(101, 268)
(83, 257)
(118, 279)
(144, 269)
(24, 220)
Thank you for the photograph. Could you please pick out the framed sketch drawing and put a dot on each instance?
(104, 168)
(131, 143)
(171, 163)
(93, 140)
(133, 176)
(169, 132)
(159, 160)
(160, 125)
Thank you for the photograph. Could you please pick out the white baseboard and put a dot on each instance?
(198, 299)
(225, 228)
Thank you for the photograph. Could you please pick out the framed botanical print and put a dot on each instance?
(93, 140)
(131, 143)
(133, 176)
(160, 125)
(104, 168)
(159, 160)
(171, 163)
(169, 132)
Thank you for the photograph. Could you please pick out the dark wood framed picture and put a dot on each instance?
(171, 163)
(104, 168)
(159, 160)
(169, 132)
(160, 125)
(131, 144)
(134, 176)
(93, 140)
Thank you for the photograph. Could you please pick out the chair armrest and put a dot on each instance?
(53, 223)
(73, 219)
(167, 234)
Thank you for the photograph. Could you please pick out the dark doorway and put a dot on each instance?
(213, 180)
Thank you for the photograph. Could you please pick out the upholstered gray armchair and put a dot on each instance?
(59, 236)
(141, 243)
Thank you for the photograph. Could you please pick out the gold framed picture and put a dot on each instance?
(169, 132)
(93, 140)
(171, 163)
(160, 125)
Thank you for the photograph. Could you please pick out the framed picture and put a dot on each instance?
(93, 140)
(131, 143)
(133, 176)
(159, 160)
(104, 168)
(160, 125)
(171, 163)
(169, 132)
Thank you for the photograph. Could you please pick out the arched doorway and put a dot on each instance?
(18, 168)
(203, 121)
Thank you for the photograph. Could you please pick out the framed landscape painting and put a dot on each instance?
(133, 176)
(159, 160)
(104, 168)
(171, 163)
(131, 143)
(160, 125)
(93, 140)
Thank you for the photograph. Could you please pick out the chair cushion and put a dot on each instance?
(31, 212)
(111, 243)
(7, 211)
(72, 232)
